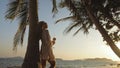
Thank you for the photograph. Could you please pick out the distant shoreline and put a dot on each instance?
(18, 57)
(16, 62)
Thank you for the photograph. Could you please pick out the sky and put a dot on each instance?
(67, 46)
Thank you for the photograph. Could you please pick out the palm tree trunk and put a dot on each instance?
(102, 30)
(32, 53)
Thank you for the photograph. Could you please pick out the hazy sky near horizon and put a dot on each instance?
(67, 46)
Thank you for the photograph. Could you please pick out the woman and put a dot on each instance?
(46, 48)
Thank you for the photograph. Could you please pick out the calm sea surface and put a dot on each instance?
(9, 62)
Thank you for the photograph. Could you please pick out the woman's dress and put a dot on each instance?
(46, 47)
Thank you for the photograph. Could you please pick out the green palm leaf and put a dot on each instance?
(11, 13)
(54, 9)
(78, 16)
(18, 9)
(106, 11)
(66, 18)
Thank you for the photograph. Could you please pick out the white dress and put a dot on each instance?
(46, 47)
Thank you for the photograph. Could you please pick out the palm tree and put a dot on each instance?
(32, 53)
(104, 14)
(19, 9)
(101, 29)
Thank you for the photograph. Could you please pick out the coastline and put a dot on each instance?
(16, 62)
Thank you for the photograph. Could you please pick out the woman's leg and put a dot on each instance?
(52, 63)
(43, 62)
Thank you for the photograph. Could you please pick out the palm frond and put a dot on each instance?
(18, 9)
(70, 4)
(23, 16)
(71, 26)
(76, 32)
(78, 16)
(83, 27)
(54, 9)
(13, 9)
(66, 18)
(18, 38)
(10, 14)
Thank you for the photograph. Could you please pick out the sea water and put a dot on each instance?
(9, 62)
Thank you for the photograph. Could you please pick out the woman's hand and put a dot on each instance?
(54, 39)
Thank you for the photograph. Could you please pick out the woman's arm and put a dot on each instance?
(52, 42)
